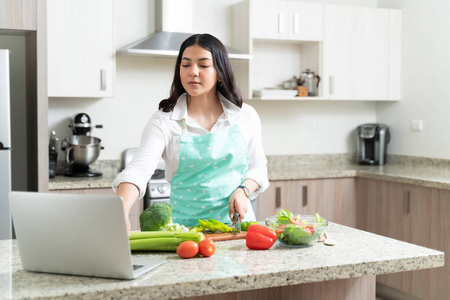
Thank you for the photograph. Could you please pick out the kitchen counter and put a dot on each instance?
(234, 268)
(425, 172)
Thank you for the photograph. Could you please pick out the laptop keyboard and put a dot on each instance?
(135, 267)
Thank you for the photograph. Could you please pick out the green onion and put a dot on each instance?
(161, 240)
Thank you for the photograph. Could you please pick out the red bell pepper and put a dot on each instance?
(260, 237)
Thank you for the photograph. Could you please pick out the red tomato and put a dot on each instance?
(280, 229)
(206, 247)
(295, 220)
(309, 229)
(187, 249)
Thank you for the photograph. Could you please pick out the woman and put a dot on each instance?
(210, 141)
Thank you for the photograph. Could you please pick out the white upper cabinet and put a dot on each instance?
(286, 20)
(361, 53)
(355, 50)
(81, 50)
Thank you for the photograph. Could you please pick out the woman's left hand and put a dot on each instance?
(238, 201)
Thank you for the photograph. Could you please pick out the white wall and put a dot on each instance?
(288, 127)
(425, 84)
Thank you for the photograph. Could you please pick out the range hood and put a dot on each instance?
(170, 32)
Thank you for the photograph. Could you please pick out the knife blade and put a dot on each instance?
(238, 223)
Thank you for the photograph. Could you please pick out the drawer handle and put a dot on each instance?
(407, 201)
(304, 195)
(280, 23)
(331, 82)
(278, 197)
(103, 79)
(296, 28)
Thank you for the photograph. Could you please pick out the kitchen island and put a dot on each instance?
(344, 271)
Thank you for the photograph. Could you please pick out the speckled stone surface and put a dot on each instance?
(109, 168)
(427, 172)
(232, 268)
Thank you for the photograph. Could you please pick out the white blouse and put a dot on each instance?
(161, 138)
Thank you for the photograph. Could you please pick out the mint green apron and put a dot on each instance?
(210, 168)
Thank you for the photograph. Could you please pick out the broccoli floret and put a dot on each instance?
(156, 216)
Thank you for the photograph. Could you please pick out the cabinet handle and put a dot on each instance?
(296, 28)
(280, 23)
(331, 84)
(407, 201)
(278, 197)
(103, 79)
(304, 195)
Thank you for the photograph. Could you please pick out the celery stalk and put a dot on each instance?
(161, 240)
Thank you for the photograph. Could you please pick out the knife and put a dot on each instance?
(238, 223)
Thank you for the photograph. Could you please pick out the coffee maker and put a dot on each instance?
(371, 143)
(81, 149)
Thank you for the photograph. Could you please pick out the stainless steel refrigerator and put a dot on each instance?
(5, 147)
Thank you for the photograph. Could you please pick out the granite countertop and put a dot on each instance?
(427, 172)
(232, 268)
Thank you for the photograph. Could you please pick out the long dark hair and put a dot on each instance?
(221, 63)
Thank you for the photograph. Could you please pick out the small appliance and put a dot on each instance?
(311, 81)
(371, 143)
(81, 149)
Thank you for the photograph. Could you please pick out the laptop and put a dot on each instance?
(76, 235)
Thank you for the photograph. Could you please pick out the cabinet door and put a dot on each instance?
(414, 214)
(269, 20)
(283, 20)
(305, 21)
(289, 194)
(333, 199)
(81, 51)
(361, 53)
(18, 15)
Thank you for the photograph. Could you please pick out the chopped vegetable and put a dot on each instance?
(297, 231)
(156, 217)
(295, 235)
(283, 216)
(245, 225)
(214, 225)
(175, 227)
(295, 220)
(197, 228)
(161, 240)
(260, 237)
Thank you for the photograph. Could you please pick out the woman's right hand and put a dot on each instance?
(129, 193)
(127, 222)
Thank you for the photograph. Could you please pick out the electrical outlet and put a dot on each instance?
(416, 125)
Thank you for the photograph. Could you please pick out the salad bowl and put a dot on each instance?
(295, 230)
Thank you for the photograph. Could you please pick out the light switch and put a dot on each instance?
(416, 125)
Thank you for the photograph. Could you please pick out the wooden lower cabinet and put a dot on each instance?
(135, 211)
(413, 214)
(333, 199)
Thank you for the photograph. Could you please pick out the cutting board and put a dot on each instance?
(225, 236)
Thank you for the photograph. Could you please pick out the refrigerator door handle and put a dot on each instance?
(2, 147)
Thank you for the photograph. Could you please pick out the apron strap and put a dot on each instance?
(183, 124)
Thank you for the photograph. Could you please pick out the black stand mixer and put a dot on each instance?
(81, 149)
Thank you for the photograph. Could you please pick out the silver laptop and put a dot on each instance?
(75, 234)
